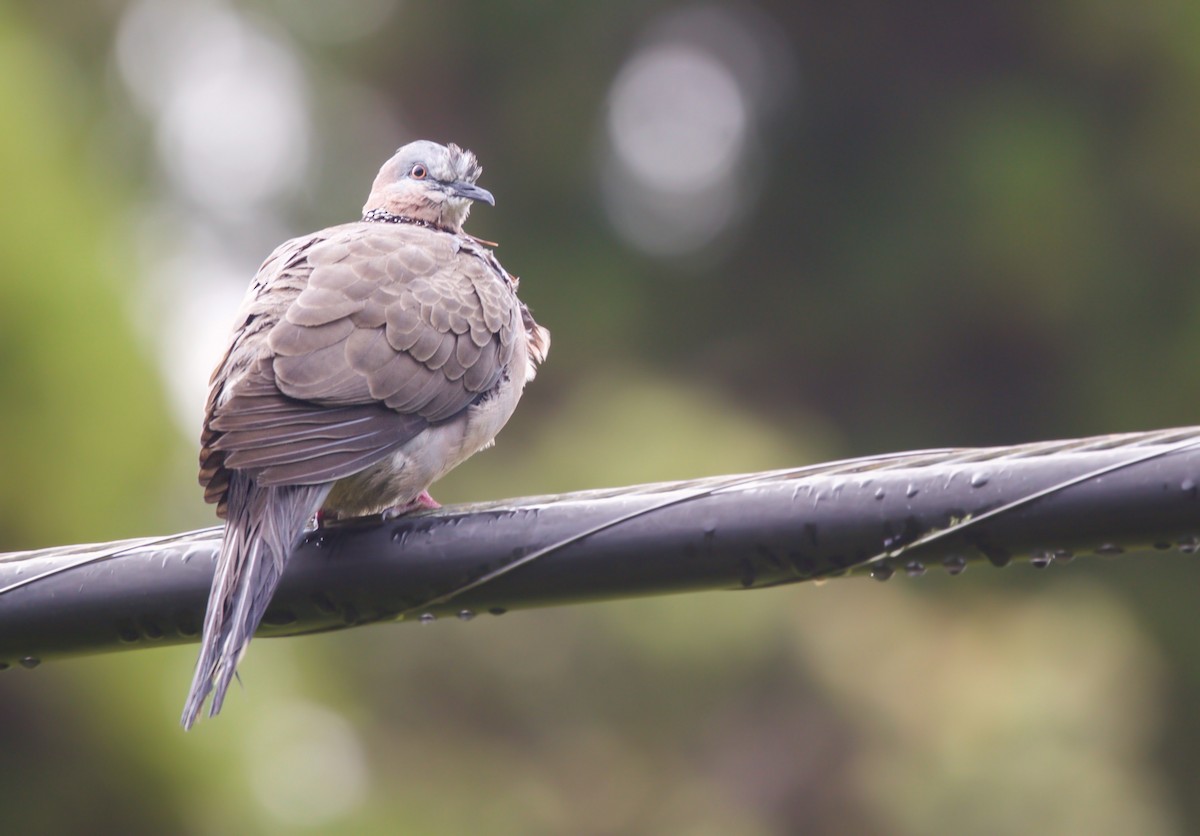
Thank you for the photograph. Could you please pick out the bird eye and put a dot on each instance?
(418, 172)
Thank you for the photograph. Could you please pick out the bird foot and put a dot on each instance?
(424, 502)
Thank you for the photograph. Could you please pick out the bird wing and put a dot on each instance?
(353, 341)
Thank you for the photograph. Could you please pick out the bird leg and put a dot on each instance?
(424, 502)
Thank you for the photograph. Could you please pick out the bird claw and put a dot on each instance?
(424, 502)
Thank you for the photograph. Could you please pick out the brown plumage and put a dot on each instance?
(368, 360)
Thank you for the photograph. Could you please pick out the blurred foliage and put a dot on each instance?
(68, 360)
(972, 224)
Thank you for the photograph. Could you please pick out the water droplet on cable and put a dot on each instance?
(427, 618)
(127, 631)
(881, 571)
(955, 564)
(30, 662)
(465, 615)
(151, 628)
(914, 568)
(979, 480)
(323, 603)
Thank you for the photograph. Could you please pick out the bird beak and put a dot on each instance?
(471, 192)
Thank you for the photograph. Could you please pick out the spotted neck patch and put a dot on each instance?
(383, 216)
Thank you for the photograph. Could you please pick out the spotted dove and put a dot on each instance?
(367, 361)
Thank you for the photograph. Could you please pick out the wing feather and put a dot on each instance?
(352, 342)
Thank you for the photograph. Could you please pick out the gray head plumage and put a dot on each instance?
(428, 183)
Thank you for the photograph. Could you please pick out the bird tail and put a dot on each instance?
(262, 526)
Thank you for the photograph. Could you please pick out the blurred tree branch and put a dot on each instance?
(876, 515)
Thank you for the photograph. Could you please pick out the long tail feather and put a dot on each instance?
(261, 528)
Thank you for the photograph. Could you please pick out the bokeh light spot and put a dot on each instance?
(683, 115)
(228, 101)
(307, 765)
(677, 119)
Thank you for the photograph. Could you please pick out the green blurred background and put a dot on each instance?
(762, 236)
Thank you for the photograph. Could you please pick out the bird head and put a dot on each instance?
(429, 183)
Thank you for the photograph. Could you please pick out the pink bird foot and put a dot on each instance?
(321, 519)
(421, 503)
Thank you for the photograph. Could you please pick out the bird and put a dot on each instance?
(366, 361)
